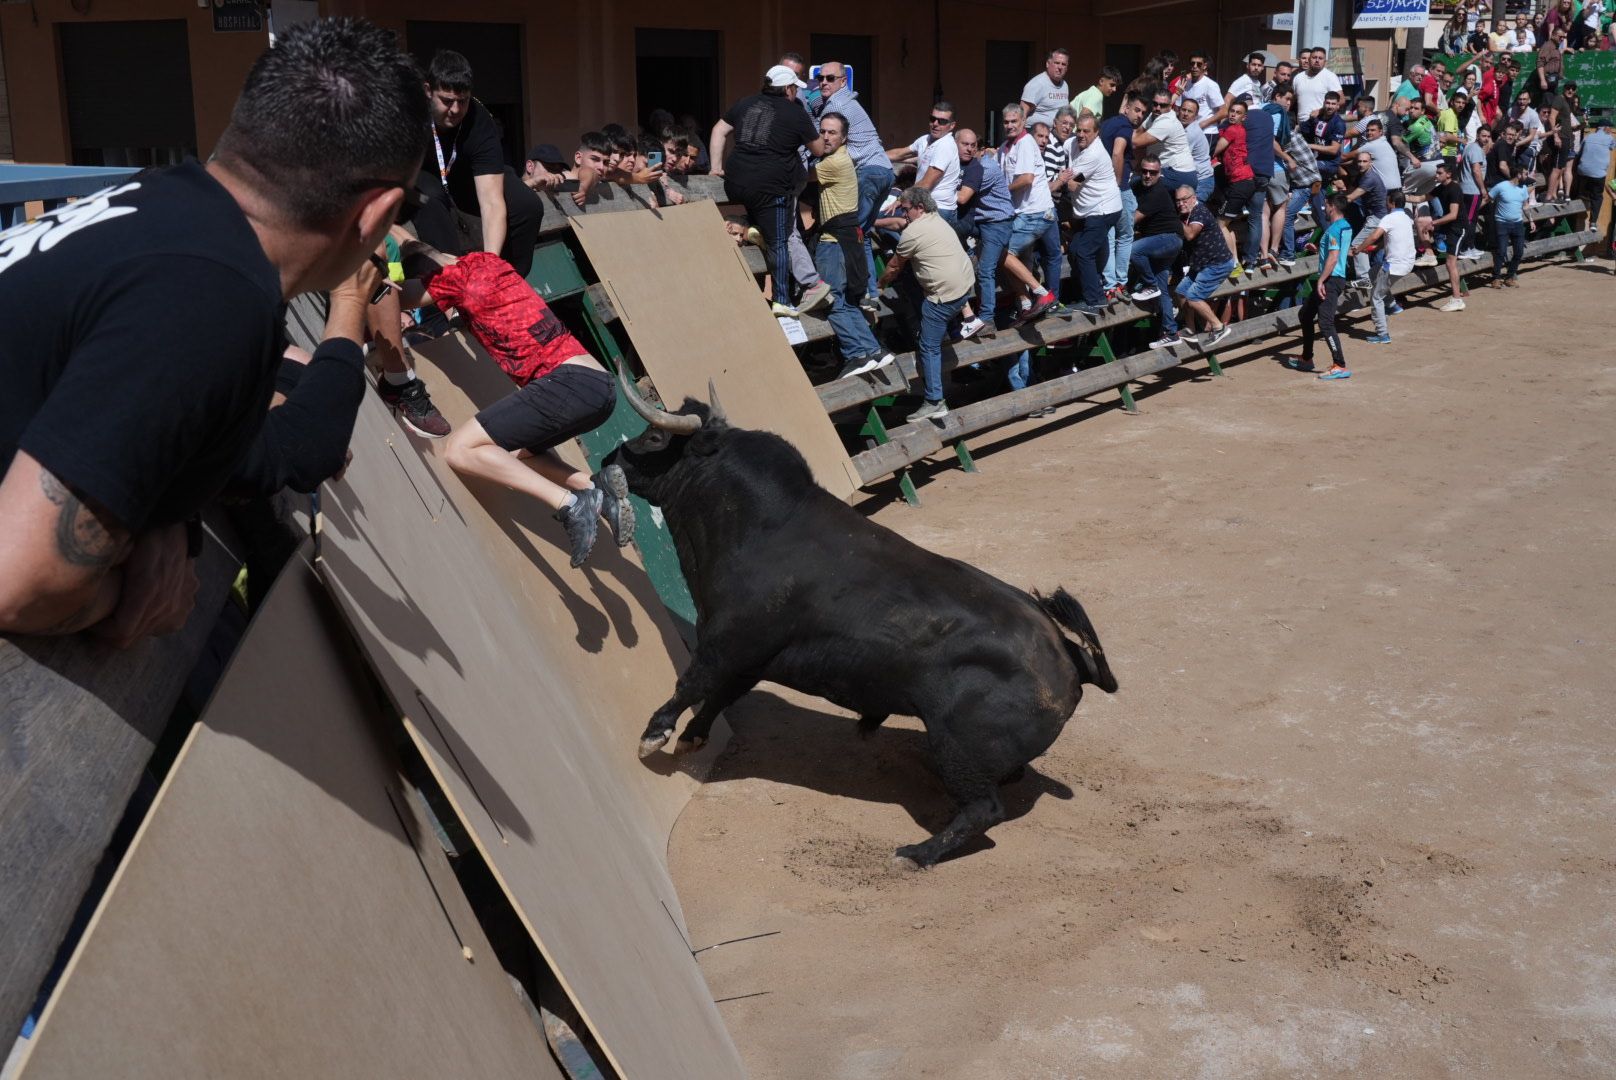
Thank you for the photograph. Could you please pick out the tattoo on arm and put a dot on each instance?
(81, 538)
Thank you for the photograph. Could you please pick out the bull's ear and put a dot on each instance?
(704, 442)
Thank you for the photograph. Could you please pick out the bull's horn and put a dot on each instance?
(715, 411)
(675, 423)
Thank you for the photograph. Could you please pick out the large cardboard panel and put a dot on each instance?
(526, 683)
(284, 911)
(692, 310)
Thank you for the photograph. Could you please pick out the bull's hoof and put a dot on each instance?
(902, 864)
(651, 744)
(686, 746)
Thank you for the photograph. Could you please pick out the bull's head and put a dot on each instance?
(649, 460)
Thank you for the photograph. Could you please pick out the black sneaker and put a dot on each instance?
(582, 520)
(413, 405)
(614, 504)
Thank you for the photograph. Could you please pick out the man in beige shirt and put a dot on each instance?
(943, 276)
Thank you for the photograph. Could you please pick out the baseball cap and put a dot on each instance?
(546, 153)
(780, 75)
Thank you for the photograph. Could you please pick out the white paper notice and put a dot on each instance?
(794, 331)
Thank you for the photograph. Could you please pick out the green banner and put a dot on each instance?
(1594, 72)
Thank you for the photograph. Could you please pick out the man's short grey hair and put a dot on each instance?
(1066, 110)
(919, 198)
(1013, 109)
(944, 106)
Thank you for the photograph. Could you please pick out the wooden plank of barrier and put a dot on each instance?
(559, 209)
(285, 909)
(913, 442)
(77, 726)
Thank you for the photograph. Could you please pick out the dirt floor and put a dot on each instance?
(1353, 812)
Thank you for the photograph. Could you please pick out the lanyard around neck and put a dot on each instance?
(454, 152)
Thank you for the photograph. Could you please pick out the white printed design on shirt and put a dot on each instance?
(52, 228)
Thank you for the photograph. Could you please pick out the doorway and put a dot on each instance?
(677, 70)
(1128, 60)
(1008, 69)
(494, 51)
(128, 89)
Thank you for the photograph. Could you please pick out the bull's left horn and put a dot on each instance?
(715, 411)
(674, 423)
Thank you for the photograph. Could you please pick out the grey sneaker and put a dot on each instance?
(860, 365)
(931, 410)
(582, 520)
(1210, 339)
(614, 504)
(814, 298)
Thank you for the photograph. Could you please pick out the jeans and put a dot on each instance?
(1175, 179)
(1027, 230)
(1256, 216)
(1088, 254)
(772, 214)
(1360, 261)
(1204, 186)
(874, 182)
(1120, 245)
(991, 240)
(1049, 249)
(1020, 370)
(1510, 235)
(853, 335)
(1380, 295)
(1287, 244)
(934, 320)
(1153, 257)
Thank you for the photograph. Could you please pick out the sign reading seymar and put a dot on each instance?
(1378, 14)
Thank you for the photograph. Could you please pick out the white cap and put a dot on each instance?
(780, 75)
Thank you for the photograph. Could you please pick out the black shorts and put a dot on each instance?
(1237, 196)
(551, 409)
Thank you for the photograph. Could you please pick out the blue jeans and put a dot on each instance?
(1121, 243)
(1020, 370)
(1175, 179)
(1204, 186)
(1088, 254)
(1153, 257)
(1027, 230)
(934, 320)
(874, 183)
(992, 237)
(1287, 244)
(853, 336)
(1508, 236)
(1256, 220)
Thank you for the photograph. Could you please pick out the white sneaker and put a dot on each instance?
(970, 328)
(1427, 259)
(1453, 304)
(1166, 341)
(1472, 253)
(931, 410)
(1143, 293)
(783, 311)
(865, 364)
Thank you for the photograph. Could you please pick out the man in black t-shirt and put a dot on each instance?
(1158, 237)
(763, 170)
(473, 200)
(143, 329)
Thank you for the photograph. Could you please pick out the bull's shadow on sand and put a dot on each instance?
(813, 747)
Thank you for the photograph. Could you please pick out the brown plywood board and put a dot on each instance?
(284, 910)
(693, 312)
(527, 683)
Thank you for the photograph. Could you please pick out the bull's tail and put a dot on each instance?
(1086, 651)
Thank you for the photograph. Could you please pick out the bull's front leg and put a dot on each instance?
(701, 682)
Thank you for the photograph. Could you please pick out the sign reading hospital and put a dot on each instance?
(1379, 14)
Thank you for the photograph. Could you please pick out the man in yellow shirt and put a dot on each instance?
(839, 234)
(1447, 124)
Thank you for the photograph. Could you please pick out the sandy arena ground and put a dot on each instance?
(1353, 812)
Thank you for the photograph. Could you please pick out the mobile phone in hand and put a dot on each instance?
(653, 160)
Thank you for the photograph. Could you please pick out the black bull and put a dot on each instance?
(795, 587)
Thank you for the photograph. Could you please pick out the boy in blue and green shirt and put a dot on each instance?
(1321, 301)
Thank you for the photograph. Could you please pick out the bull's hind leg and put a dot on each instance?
(974, 786)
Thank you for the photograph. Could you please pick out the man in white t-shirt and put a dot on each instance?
(1202, 89)
(1394, 234)
(1034, 224)
(1046, 91)
(1095, 209)
(1161, 126)
(1253, 81)
(936, 159)
(1312, 84)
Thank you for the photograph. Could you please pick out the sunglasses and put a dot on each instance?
(830, 78)
(1149, 172)
(1164, 104)
(942, 119)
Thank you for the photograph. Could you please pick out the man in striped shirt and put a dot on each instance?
(1305, 180)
